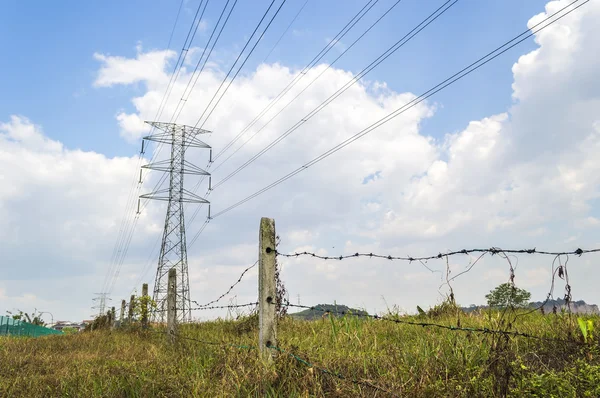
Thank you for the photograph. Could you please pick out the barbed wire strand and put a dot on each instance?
(491, 250)
(214, 307)
(428, 324)
(230, 288)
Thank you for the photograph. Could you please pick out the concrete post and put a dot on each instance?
(172, 304)
(267, 289)
(145, 305)
(122, 317)
(131, 304)
(113, 317)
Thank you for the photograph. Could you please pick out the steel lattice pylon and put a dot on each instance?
(173, 252)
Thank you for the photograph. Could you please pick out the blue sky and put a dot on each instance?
(511, 163)
(49, 66)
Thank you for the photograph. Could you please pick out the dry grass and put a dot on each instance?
(407, 360)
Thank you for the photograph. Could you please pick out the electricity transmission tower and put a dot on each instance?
(173, 252)
(101, 306)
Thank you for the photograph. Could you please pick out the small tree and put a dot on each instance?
(507, 295)
(143, 306)
(25, 317)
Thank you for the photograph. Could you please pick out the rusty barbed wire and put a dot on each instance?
(228, 291)
(430, 324)
(214, 307)
(491, 250)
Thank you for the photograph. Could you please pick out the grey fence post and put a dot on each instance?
(144, 303)
(131, 303)
(172, 304)
(113, 317)
(267, 292)
(122, 317)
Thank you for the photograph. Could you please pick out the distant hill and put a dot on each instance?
(309, 315)
(577, 307)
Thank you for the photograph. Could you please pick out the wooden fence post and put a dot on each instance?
(172, 304)
(131, 303)
(144, 303)
(122, 317)
(267, 289)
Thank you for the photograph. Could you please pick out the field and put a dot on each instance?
(372, 357)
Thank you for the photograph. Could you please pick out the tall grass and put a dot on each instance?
(406, 360)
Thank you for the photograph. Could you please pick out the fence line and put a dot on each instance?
(492, 250)
(268, 345)
(430, 324)
(224, 306)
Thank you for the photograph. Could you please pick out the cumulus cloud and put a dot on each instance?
(522, 177)
(147, 67)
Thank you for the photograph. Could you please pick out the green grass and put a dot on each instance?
(408, 360)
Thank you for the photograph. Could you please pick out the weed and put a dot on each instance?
(408, 360)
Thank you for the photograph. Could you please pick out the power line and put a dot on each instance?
(223, 93)
(175, 24)
(127, 229)
(173, 79)
(355, 19)
(440, 86)
(180, 61)
(316, 59)
(243, 63)
(395, 47)
(286, 30)
(302, 91)
(231, 69)
(186, 93)
(185, 96)
(313, 62)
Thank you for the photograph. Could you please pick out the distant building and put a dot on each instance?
(60, 325)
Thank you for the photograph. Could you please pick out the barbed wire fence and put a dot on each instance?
(269, 302)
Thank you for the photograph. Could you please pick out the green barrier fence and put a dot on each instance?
(13, 327)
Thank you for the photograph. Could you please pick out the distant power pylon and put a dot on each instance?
(101, 306)
(173, 251)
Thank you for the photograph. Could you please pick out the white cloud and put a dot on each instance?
(522, 177)
(132, 127)
(148, 67)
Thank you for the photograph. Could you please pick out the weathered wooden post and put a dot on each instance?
(144, 302)
(267, 292)
(172, 304)
(131, 305)
(122, 316)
